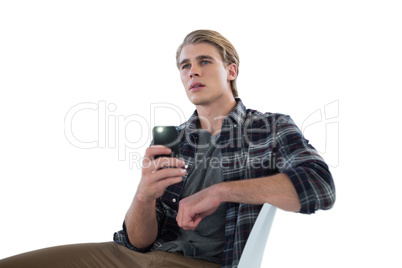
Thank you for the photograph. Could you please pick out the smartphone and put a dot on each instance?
(167, 136)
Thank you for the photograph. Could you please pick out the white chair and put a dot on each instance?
(255, 245)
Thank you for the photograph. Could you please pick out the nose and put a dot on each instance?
(195, 71)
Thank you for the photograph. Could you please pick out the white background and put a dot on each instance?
(297, 57)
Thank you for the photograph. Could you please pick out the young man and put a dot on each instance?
(248, 143)
(199, 212)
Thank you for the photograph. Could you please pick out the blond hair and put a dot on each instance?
(225, 48)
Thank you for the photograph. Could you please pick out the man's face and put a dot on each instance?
(204, 75)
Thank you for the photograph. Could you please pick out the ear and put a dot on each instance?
(232, 71)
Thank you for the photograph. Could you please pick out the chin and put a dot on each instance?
(199, 101)
(203, 99)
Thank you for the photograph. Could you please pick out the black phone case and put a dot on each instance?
(166, 136)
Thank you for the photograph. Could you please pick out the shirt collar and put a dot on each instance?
(238, 115)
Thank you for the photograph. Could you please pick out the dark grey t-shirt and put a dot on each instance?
(207, 240)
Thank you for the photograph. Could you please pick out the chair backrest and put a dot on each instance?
(255, 246)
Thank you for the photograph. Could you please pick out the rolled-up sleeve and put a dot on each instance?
(306, 169)
(121, 237)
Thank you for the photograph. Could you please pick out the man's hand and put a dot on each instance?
(194, 208)
(155, 178)
(141, 222)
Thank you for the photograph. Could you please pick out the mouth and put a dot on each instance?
(196, 85)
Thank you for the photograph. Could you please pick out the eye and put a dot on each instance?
(185, 66)
(204, 62)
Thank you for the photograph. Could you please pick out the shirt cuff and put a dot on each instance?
(299, 178)
(121, 237)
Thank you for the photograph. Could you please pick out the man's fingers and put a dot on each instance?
(194, 208)
(152, 164)
(155, 178)
(169, 172)
(192, 224)
(170, 181)
(164, 162)
(148, 161)
(187, 221)
(155, 150)
(185, 216)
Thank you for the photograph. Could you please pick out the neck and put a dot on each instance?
(211, 115)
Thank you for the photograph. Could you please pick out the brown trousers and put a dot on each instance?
(108, 254)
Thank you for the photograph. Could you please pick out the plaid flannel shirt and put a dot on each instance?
(253, 145)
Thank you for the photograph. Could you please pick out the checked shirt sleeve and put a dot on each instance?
(121, 237)
(304, 166)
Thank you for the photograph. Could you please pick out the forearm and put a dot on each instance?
(141, 223)
(276, 190)
(141, 219)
